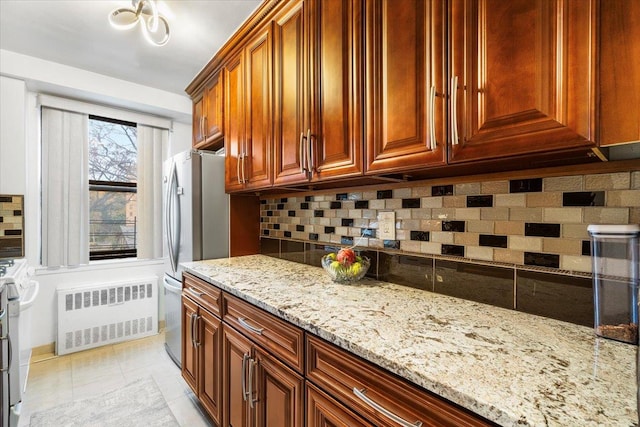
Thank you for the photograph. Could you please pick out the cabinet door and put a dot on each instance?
(335, 28)
(213, 117)
(189, 353)
(236, 353)
(290, 102)
(278, 393)
(523, 71)
(258, 140)
(234, 124)
(323, 411)
(198, 121)
(404, 85)
(209, 372)
(619, 72)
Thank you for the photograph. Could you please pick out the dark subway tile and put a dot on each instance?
(270, 247)
(583, 198)
(454, 250)
(586, 247)
(265, 232)
(493, 241)
(346, 240)
(422, 236)
(308, 198)
(287, 234)
(329, 230)
(262, 202)
(413, 203)
(442, 190)
(13, 232)
(292, 213)
(318, 213)
(542, 260)
(299, 227)
(284, 200)
(533, 185)
(457, 226)
(269, 213)
(362, 204)
(416, 272)
(391, 244)
(280, 206)
(561, 297)
(541, 229)
(17, 213)
(341, 196)
(313, 236)
(481, 283)
(384, 194)
(304, 205)
(276, 226)
(368, 232)
(261, 219)
(347, 222)
(335, 205)
(480, 201)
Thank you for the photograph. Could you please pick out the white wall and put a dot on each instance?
(21, 78)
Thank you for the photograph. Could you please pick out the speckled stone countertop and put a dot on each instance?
(509, 367)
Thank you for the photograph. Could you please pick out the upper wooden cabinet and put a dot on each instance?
(404, 85)
(208, 123)
(521, 78)
(248, 144)
(619, 72)
(318, 95)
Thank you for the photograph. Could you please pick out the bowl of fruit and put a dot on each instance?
(345, 266)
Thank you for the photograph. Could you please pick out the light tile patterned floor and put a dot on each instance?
(93, 372)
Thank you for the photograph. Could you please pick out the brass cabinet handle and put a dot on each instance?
(247, 326)
(454, 117)
(362, 395)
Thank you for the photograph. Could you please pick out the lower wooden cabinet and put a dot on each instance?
(201, 332)
(324, 411)
(259, 390)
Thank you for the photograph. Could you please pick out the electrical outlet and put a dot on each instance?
(387, 226)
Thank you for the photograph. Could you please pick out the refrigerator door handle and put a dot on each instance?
(173, 231)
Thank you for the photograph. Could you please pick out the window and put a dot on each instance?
(112, 188)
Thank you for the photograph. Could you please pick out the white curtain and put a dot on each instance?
(151, 144)
(65, 188)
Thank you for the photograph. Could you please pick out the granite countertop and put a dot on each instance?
(509, 367)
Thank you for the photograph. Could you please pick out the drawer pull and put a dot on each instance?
(362, 395)
(194, 293)
(244, 324)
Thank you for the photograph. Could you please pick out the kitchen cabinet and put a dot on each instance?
(318, 95)
(521, 77)
(250, 142)
(260, 390)
(208, 125)
(201, 341)
(404, 85)
(324, 411)
(375, 394)
(619, 72)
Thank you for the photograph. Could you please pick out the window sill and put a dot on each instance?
(100, 265)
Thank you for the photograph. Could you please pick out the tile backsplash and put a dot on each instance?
(538, 222)
(11, 226)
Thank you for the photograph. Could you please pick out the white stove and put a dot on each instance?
(17, 294)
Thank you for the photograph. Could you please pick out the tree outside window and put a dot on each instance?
(112, 188)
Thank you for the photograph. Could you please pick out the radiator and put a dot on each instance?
(98, 314)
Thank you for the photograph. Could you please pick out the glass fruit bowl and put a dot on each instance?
(345, 272)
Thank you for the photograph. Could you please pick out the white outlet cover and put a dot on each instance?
(387, 226)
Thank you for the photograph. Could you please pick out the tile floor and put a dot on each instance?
(90, 373)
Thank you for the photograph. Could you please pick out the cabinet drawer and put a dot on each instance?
(284, 340)
(205, 294)
(380, 395)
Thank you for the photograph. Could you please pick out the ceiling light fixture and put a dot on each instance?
(155, 27)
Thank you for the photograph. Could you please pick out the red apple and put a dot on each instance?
(346, 256)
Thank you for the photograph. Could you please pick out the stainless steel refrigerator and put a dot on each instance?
(196, 219)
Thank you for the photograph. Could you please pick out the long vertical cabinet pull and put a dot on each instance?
(245, 358)
(454, 116)
(193, 329)
(303, 164)
(196, 321)
(310, 157)
(244, 158)
(252, 401)
(238, 168)
(431, 145)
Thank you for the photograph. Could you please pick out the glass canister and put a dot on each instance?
(614, 251)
